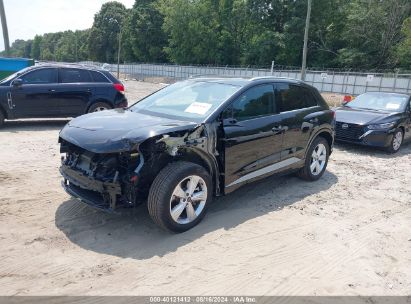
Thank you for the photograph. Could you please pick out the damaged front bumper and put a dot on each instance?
(98, 194)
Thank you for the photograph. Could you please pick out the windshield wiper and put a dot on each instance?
(366, 109)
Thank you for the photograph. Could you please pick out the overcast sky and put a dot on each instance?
(26, 18)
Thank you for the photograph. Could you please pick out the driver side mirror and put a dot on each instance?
(227, 117)
(17, 82)
(229, 121)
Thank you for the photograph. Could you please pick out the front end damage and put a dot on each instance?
(104, 181)
(110, 181)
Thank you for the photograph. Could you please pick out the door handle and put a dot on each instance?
(52, 90)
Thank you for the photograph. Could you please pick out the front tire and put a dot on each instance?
(316, 160)
(99, 106)
(179, 196)
(396, 141)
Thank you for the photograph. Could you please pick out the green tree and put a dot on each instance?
(143, 33)
(104, 34)
(326, 39)
(35, 48)
(403, 51)
(372, 31)
(205, 32)
(366, 34)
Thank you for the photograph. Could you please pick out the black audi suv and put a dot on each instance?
(375, 119)
(52, 90)
(193, 140)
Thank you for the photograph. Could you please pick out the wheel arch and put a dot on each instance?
(402, 129)
(325, 133)
(92, 102)
(200, 158)
(327, 136)
(4, 112)
(155, 162)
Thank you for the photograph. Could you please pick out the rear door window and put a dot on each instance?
(40, 76)
(255, 102)
(293, 97)
(74, 76)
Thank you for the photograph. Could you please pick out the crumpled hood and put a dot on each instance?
(361, 117)
(118, 130)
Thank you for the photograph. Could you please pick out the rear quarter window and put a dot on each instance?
(98, 77)
(311, 100)
(293, 97)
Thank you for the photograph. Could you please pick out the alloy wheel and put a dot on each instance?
(318, 159)
(99, 109)
(188, 199)
(397, 141)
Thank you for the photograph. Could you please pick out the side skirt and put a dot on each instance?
(266, 170)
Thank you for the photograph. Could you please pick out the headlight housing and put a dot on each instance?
(383, 126)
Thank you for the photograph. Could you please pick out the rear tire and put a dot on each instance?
(1, 119)
(316, 160)
(396, 142)
(99, 106)
(172, 203)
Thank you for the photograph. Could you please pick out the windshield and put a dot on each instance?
(379, 102)
(193, 100)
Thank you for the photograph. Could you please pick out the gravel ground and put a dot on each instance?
(347, 234)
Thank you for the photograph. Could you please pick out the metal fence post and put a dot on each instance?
(395, 80)
(322, 83)
(354, 85)
(380, 85)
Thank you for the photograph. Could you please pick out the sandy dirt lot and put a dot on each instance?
(347, 234)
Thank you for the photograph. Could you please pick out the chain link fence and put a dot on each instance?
(326, 81)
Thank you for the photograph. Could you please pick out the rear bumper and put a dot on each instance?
(98, 194)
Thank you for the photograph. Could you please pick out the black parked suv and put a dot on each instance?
(193, 140)
(51, 90)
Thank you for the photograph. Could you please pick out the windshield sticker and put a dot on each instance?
(198, 108)
(392, 106)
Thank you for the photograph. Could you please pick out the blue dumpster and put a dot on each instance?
(9, 66)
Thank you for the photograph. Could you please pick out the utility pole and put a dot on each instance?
(4, 27)
(118, 53)
(76, 45)
(119, 43)
(307, 26)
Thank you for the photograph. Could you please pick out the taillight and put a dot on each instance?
(119, 87)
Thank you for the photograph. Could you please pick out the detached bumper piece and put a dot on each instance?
(98, 194)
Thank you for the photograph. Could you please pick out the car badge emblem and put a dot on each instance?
(344, 126)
